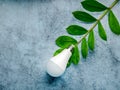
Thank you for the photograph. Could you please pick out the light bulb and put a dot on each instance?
(57, 64)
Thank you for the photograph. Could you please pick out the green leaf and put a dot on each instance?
(101, 31)
(76, 30)
(93, 6)
(65, 41)
(69, 63)
(58, 51)
(75, 58)
(83, 16)
(113, 23)
(91, 40)
(84, 48)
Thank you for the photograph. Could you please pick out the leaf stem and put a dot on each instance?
(101, 17)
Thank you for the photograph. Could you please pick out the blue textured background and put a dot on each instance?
(28, 29)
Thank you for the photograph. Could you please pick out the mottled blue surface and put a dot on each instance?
(28, 29)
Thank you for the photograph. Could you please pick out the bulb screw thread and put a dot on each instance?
(71, 47)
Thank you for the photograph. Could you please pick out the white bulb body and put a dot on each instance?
(57, 64)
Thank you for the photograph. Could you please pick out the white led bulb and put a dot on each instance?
(57, 64)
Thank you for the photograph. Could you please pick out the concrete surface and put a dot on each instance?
(28, 29)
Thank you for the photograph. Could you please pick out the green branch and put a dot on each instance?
(92, 6)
